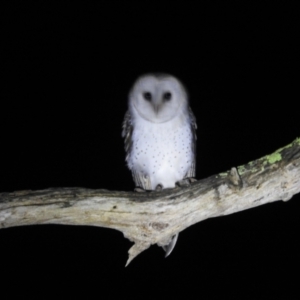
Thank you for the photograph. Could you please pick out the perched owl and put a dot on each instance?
(159, 129)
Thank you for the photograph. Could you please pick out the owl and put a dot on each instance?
(159, 130)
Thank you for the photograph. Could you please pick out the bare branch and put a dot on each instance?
(153, 218)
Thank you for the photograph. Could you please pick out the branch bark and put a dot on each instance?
(153, 218)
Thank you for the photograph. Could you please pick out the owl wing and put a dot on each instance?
(140, 179)
(192, 171)
(127, 133)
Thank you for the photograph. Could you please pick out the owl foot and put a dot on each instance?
(139, 190)
(169, 248)
(186, 182)
(159, 187)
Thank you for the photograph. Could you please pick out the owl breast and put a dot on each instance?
(162, 151)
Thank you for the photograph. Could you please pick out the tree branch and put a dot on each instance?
(153, 218)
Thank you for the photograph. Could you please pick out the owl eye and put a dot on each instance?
(147, 96)
(167, 96)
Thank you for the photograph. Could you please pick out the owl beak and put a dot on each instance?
(156, 108)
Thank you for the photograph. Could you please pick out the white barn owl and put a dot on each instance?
(159, 129)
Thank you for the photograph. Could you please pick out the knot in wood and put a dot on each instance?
(159, 226)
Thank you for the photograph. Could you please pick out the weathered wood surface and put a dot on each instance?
(150, 218)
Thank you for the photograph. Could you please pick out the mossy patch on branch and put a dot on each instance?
(273, 158)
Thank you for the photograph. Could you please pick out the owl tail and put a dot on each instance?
(169, 248)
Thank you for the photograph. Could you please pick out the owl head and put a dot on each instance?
(157, 98)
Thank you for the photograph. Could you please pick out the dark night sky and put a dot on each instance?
(68, 67)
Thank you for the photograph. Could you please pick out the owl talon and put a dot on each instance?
(139, 190)
(186, 182)
(169, 248)
(159, 187)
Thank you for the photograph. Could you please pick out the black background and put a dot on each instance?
(68, 67)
